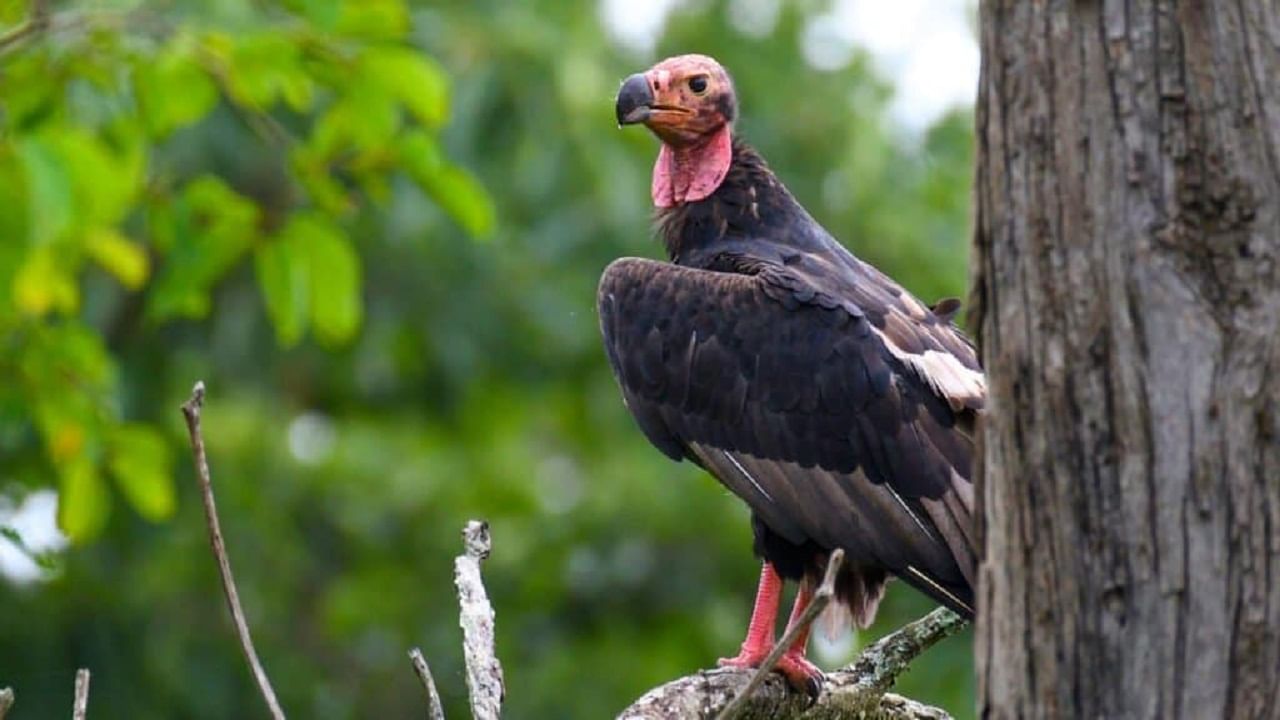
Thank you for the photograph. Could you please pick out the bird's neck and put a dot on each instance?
(747, 202)
(690, 173)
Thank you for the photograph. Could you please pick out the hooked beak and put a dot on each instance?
(635, 100)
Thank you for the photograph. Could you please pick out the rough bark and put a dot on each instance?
(485, 685)
(702, 695)
(856, 691)
(1127, 300)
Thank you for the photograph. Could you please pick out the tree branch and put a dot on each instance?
(81, 707)
(887, 658)
(484, 672)
(434, 709)
(856, 691)
(37, 21)
(191, 411)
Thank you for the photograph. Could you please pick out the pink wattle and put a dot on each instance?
(691, 174)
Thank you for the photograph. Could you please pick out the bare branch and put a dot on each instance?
(886, 659)
(191, 411)
(37, 21)
(434, 709)
(81, 707)
(484, 672)
(819, 603)
(853, 691)
(6, 701)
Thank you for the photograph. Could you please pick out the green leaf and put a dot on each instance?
(374, 19)
(140, 460)
(336, 306)
(49, 190)
(456, 191)
(211, 228)
(464, 199)
(83, 504)
(324, 13)
(298, 91)
(104, 182)
(34, 83)
(366, 119)
(283, 271)
(412, 78)
(64, 355)
(264, 65)
(312, 171)
(121, 256)
(11, 13)
(45, 283)
(173, 90)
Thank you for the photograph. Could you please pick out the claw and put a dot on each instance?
(802, 674)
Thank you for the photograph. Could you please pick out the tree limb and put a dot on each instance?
(881, 663)
(434, 709)
(191, 411)
(856, 691)
(37, 21)
(484, 672)
(81, 707)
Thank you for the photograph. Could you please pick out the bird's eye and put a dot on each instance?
(698, 84)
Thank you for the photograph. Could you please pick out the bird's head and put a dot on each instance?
(684, 100)
(689, 103)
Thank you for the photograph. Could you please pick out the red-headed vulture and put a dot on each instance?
(834, 403)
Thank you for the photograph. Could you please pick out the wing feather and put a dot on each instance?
(795, 401)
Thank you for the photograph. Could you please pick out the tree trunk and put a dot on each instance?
(1127, 299)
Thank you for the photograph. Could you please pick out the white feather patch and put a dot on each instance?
(945, 374)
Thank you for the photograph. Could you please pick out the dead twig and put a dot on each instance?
(435, 710)
(821, 598)
(484, 672)
(191, 411)
(81, 707)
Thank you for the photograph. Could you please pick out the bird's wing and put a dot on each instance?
(793, 400)
(922, 338)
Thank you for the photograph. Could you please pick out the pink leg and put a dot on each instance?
(800, 672)
(763, 618)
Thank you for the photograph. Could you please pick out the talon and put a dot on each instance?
(802, 674)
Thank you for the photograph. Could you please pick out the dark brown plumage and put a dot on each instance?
(832, 401)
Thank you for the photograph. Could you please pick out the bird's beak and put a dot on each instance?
(635, 100)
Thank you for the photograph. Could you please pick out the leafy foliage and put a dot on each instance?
(92, 155)
(279, 198)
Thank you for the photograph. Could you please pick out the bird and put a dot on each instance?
(832, 401)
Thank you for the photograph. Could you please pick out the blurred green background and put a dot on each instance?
(374, 228)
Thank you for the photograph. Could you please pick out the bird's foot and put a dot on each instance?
(749, 657)
(802, 674)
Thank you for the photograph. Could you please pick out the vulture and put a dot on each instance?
(829, 399)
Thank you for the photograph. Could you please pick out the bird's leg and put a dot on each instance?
(799, 671)
(763, 618)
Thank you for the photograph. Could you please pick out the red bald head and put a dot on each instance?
(688, 101)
